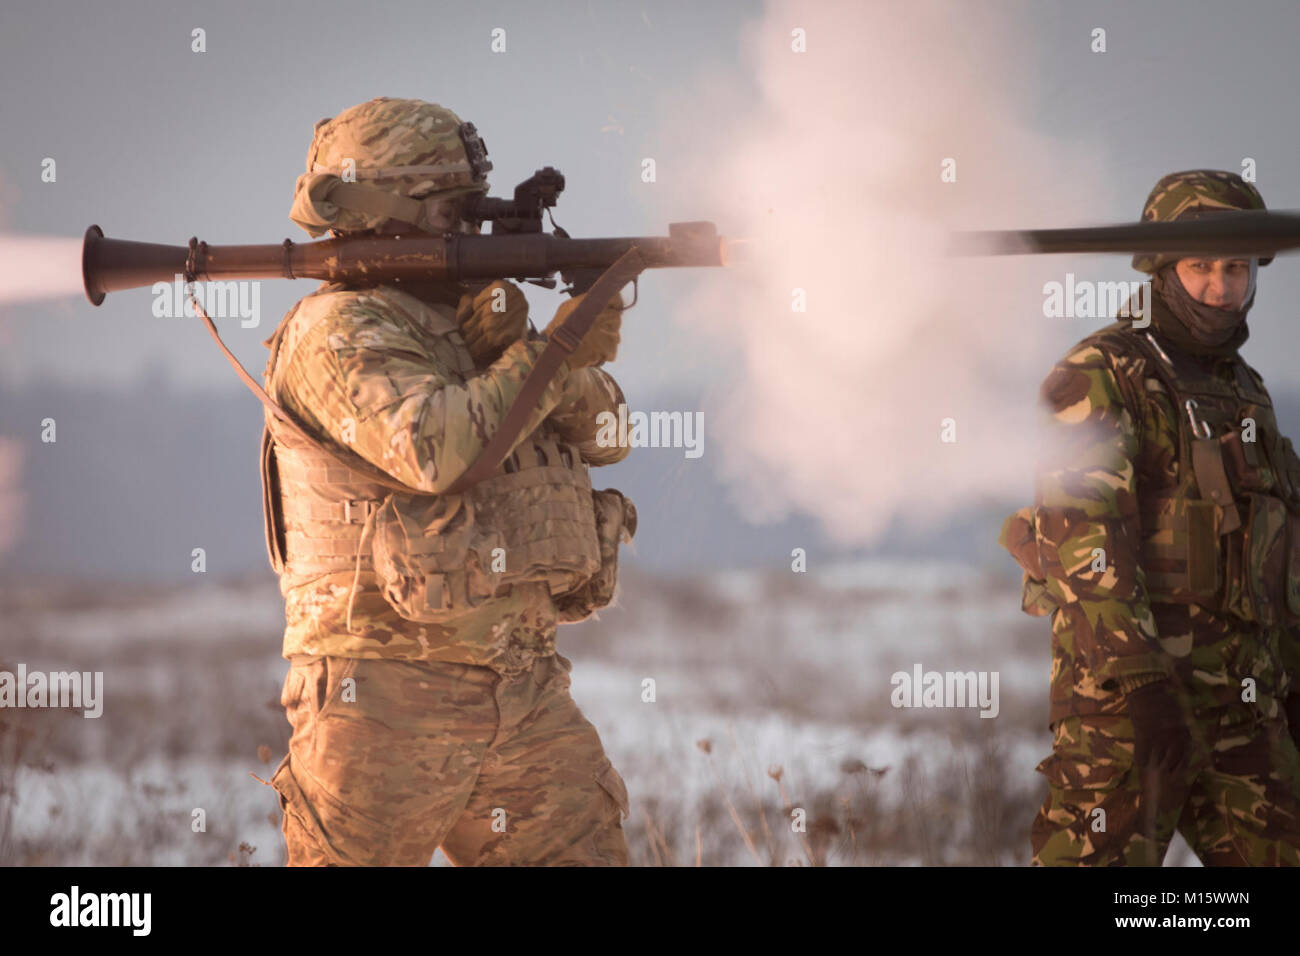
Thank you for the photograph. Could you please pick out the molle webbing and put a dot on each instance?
(537, 507)
(542, 515)
(324, 508)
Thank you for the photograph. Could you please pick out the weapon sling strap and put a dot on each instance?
(559, 346)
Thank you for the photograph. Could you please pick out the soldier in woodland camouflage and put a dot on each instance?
(428, 704)
(1164, 543)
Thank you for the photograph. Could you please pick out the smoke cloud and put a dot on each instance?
(841, 411)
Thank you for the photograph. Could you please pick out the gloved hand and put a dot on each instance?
(600, 345)
(492, 319)
(1162, 738)
(1292, 707)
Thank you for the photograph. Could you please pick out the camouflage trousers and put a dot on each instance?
(390, 760)
(1236, 804)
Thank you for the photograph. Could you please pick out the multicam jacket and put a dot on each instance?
(481, 577)
(1164, 538)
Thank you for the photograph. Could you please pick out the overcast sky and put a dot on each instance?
(153, 141)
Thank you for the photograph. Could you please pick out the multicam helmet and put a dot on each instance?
(1191, 194)
(389, 159)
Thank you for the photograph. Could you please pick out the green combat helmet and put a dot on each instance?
(389, 158)
(1191, 194)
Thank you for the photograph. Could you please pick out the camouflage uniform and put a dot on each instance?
(428, 704)
(1166, 553)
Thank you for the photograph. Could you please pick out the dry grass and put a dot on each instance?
(187, 719)
(965, 816)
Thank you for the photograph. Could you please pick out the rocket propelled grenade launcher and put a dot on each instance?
(110, 265)
(1216, 235)
(516, 249)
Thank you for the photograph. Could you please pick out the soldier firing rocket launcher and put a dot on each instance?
(516, 249)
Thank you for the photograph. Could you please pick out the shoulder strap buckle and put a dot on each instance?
(358, 511)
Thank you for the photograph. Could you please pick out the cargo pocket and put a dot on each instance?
(1088, 760)
(320, 831)
(1082, 778)
(1087, 808)
(302, 836)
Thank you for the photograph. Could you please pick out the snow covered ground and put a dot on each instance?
(772, 702)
